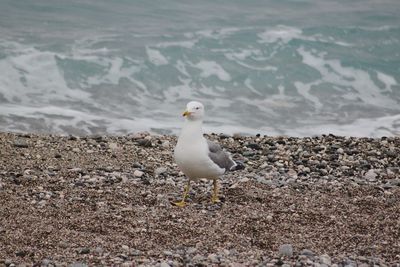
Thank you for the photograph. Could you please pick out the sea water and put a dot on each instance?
(275, 67)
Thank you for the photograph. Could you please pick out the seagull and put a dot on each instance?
(198, 157)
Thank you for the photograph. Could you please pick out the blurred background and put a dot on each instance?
(276, 67)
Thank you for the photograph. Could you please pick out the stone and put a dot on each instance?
(239, 166)
(394, 182)
(248, 153)
(325, 259)
(20, 143)
(159, 171)
(213, 258)
(78, 264)
(137, 165)
(72, 138)
(76, 170)
(264, 165)
(98, 250)
(370, 175)
(21, 253)
(113, 146)
(191, 250)
(198, 258)
(97, 138)
(42, 203)
(135, 252)
(167, 253)
(292, 173)
(224, 136)
(45, 262)
(164, 264)
(244, 180)
(165, 144)
(138, 173)
(84, 251)
(144, 142)
(254, 146)
(307, 252)
(286, 250)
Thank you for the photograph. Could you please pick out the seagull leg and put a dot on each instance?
(214, 198)
(182, 203)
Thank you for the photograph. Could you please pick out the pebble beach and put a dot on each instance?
(106, 201)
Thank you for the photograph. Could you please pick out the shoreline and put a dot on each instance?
(105, 200)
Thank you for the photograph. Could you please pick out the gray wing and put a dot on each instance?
(219, 156)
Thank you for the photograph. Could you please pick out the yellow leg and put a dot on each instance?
(214, 198)
(182, 203)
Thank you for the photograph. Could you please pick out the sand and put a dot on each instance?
(106, 200)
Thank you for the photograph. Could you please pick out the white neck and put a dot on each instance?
(191, 129)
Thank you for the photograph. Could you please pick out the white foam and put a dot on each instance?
(185, 44)
(180, 66)
(248, 84)
(114, 71)
(212, 68)
(241, 54)
(29, 71)
(57, 119)
(371, 127)
(182, 91)
(332, 71)
(283, 34)
(304, 90)
(377, 28)
(389, 81)
(114, 68)
(216, 34)
(156, 57)
(264, 68)
(280, 33)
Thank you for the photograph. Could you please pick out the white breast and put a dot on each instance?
(191, 156)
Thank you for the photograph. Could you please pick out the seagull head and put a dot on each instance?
(194, 111)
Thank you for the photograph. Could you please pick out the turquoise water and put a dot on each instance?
(273, 67)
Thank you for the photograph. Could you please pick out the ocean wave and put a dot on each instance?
(270, 80)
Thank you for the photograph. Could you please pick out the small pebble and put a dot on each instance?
(78, 264)
(84, 251)
(160, 171)
(165, 144)
(164, 264)
(144, 142)
(138, 173)
(20, 143)
(307, 252)
(286, 250)
(325, 259)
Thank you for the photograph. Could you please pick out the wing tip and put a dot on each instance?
(238, 165)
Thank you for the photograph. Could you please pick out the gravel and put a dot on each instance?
(106, 200)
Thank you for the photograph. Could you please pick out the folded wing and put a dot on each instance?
(219, 156)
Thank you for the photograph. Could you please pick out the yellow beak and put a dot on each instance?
(186, 113)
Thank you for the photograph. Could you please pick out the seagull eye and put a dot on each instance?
(198, 108)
